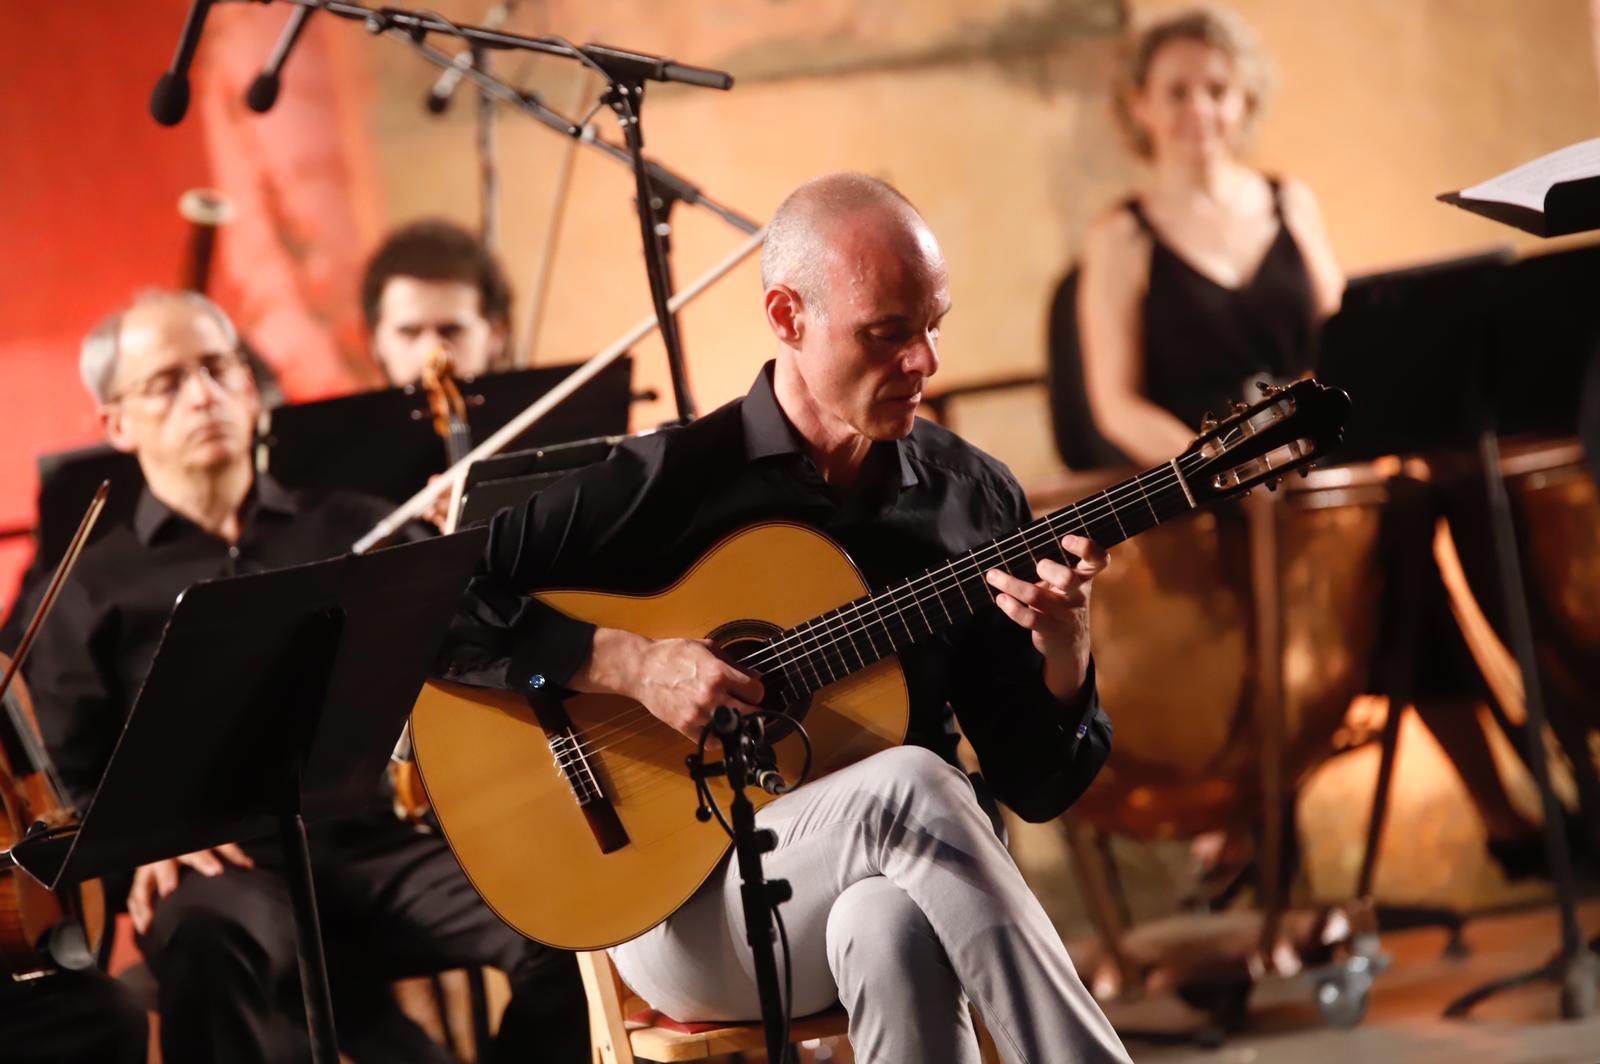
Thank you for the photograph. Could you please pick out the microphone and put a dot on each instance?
(169, 100)
(263, 92)
(763, 766)
(445, 87)
(770, 781)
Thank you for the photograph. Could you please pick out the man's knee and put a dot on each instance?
(208, 930)
(916, 774)
(874, 925)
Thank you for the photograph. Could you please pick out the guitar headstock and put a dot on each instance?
(1287, 429)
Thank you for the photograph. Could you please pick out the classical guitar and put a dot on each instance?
(575, 821)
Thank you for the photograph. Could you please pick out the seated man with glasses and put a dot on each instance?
(216, 926)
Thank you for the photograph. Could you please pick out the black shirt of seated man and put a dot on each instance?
(639, 520)
(393, 900)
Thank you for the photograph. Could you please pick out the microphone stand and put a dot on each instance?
(488, 169)
(625, 73)
(761, 896)
(666, 189)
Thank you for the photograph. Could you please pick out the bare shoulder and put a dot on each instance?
(1114, 226)
(1299, 202)
(1116, 243)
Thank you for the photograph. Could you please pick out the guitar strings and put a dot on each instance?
(1028, 536)
(1001, 549)
(855, 613)
(1041, 532)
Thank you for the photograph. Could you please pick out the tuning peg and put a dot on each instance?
(1241, 408)
(1272, 485)
(1305, 470)
(1208, 422)
(1268, 389)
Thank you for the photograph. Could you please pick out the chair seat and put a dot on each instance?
(661, 1038)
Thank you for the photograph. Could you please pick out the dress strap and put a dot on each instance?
(1135, 208)
(1275, 183)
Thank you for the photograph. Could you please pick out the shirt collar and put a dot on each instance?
(151, 516)
(768, 432)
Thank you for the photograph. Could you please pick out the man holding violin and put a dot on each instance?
(215, 926)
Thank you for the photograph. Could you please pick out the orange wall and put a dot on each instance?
(89, 206)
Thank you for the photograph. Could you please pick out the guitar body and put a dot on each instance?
(510, 812)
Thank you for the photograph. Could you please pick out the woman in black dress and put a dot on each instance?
(1210, 276)
(1212, 273)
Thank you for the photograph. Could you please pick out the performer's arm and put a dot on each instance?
(500, 637)
(1023, 686)
(1304, 218)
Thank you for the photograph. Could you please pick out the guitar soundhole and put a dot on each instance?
(742, 642)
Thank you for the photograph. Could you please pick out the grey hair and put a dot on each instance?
(97, 359)
(794, 250)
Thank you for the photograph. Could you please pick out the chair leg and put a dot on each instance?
(607, 1032)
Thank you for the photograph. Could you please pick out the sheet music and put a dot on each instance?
(1527, 184)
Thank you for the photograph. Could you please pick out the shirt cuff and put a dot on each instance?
(548, 662)
(1080, 712)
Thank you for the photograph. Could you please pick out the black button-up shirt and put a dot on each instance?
(95, 649)
(637, 521)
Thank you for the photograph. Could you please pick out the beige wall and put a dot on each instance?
(993, 118)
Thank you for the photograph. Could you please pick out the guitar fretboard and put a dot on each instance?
(847, 639)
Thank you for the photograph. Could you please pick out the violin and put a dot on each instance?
(448, 407)
(41, 931)
(449, 411)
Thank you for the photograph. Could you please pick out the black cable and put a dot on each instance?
(788, 979)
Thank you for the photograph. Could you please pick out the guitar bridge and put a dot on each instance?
(572, 759)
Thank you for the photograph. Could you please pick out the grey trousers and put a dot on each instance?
(905, 906)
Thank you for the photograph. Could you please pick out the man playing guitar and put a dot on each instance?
(906, 904)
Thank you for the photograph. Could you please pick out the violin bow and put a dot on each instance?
(63, 567)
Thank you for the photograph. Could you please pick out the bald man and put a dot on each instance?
(906, 904)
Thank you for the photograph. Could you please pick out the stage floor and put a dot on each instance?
(1403, 1022)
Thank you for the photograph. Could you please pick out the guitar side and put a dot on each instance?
(510, 812)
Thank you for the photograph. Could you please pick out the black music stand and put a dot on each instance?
(510, 479)
(273, 698)
(1493, 397)
(383, 443)
(1451, 330)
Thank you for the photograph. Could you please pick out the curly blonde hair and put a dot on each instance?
(1210, 25)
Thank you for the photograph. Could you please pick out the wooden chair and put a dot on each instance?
(625, 1029)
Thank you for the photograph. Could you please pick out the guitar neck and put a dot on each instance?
(853, 636)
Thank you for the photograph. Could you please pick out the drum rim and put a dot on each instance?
(1520, 458)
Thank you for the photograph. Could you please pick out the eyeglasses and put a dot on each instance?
(224, 369)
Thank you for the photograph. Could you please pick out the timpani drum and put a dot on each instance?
(1557, 517)
(1178, 648)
